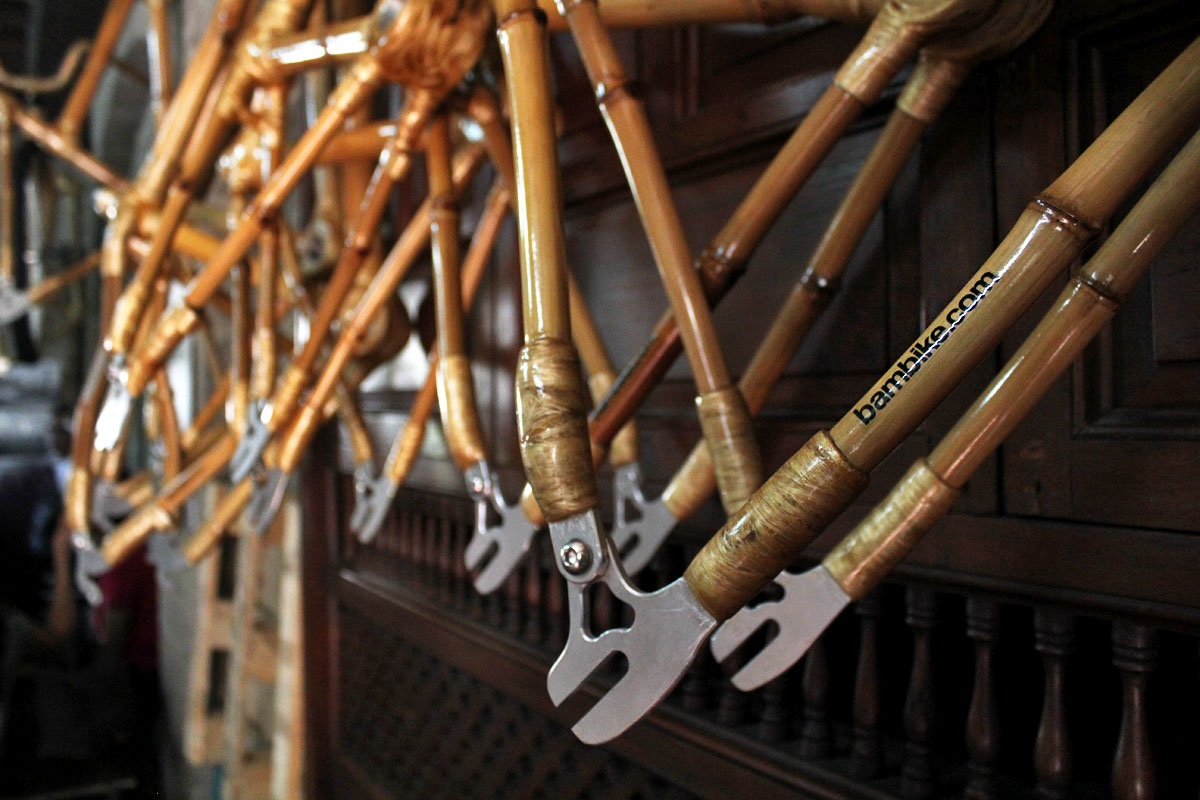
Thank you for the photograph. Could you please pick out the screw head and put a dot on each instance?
(575, 556)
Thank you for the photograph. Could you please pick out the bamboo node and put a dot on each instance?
(823, 286)
(512, 16)
(615, 90)
(769, 531)
(552, 414)
(718, 269)
(1100, 286)
(1056, 213)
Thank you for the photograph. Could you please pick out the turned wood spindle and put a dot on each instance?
(866, 756)
(773, 719)
(512, 602)
(983, 628)
(732, 705)
(816, 735)
(916, 776)
(461, 533)
(1134, 655)
(1053, 637)
(535, 630)
(445, 562)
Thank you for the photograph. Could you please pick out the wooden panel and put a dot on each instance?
(1115, 441)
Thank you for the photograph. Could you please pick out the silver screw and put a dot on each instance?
(575, 556)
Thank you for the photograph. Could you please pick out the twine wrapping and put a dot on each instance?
(170, 333)
(892, 528)
(552, 412)
(727, 428)
(692, 485)
(133, 531)
(460, 420)
(789, 511)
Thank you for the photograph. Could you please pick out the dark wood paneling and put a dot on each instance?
(1116, 440)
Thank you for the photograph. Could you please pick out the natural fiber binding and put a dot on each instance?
(788, 512)
(134, 531)
(692, 484)
(146, 362)
(552, 411)
(895, 525)
(727, 428)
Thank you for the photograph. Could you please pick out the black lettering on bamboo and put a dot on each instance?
(922, 349)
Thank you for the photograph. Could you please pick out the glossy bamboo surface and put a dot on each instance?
(84, 89)
(760, 541)
(378, 294)
(552, 398)
(407, 445)
(653, 13)
(1081, 311)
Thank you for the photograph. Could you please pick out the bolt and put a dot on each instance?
(576, 557)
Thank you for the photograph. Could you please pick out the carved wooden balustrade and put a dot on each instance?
(924, 689)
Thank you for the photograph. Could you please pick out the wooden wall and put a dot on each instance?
(1042, 640)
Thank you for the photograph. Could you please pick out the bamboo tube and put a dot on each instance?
(601, 374)
(938, 73)
(208, 412)
(724, 418)
(262, 378)
(136, 490)
(43, 84)
(292, 53)
(897, 32)
(407, 446)
(158, 46)
(647, 180)
(362, 81)
(214, 121)
(8, 211)
(824, 477)
(351, 416)
(364, 142)
(169, 433)
(455, 384)
(482, 108)
(391, 169)
(78, 500)
(201, 543)
(263, 374)
(158, 515)
(551, 400)
(1081, 311)
(643, 14)
(351, 92)
(56, 283)
(55, 143)
(436, 63)
(76, 106)
(378, 294)
(240, 359)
